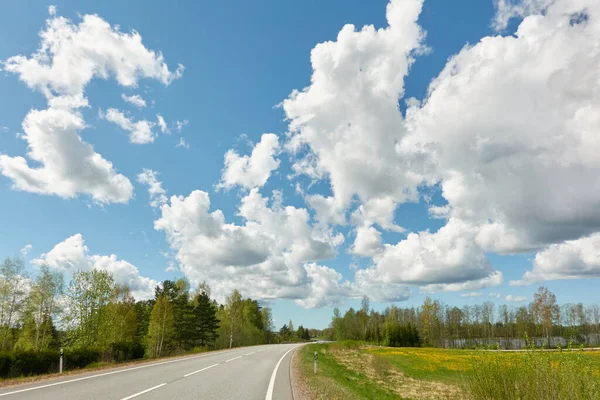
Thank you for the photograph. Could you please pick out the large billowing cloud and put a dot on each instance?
(508, 130)
(72, 255)
(346, 126)
(69, 57)
(254, 170)
(512, 122)
(347, 122)
(271, 255)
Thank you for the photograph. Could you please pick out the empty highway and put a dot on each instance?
(258, 372)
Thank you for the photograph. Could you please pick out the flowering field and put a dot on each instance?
(430, 373)
(451, 365)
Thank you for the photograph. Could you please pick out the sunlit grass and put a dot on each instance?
(335, 381)
(476, 374)
(451, 365)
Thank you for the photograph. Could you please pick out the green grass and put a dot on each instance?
(441, 365)
(475, 374)
(452, 366)
(333, 380)
(535, 375)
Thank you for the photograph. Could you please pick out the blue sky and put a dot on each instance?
(241, 62)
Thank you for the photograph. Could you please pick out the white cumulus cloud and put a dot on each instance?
(66, 165)
(446, 260)
(270, 255)
(253, 170)
(367, 242)
(345, 125)
(522, 179)
(573, 259)
(72, 255)
(506, 172)
(89, 49)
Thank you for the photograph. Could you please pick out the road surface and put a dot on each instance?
(257, 372)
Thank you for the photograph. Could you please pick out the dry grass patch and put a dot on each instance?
(386, 375)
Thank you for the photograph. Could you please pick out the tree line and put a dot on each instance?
(288, 334)
(96, 314)
(437, 324)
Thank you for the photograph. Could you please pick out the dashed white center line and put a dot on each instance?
(200, 370)
(143, 391)
(231, 359)
(250, 353)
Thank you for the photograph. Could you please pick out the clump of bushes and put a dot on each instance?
(25, 363)
(539, 375)
(124, 351)
(30, 362)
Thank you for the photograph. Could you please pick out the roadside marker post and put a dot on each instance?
(316, 359)
(61, 361)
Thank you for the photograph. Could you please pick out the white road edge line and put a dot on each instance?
(250, 353)
(272, 381)
(200, 370)
(104, 374)
(235, 358)
(143, 391)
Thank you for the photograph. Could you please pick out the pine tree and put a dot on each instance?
(206, 322)
(284, 333)
(143, 309)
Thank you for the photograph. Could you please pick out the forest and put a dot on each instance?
(436, 324)
(97, 320)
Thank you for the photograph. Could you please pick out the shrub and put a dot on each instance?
(539, 375)
(199, 349)
(124, 351)
(349, 344)
(81, 358)
(26, 363)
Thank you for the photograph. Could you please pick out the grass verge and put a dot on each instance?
(355, 371)
(333, 380)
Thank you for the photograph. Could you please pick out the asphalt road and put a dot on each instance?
(258, 372)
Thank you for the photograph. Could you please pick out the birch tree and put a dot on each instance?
(40, 307)
(160, 329)
(13, 290)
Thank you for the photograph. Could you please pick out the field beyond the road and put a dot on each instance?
(352, 371)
